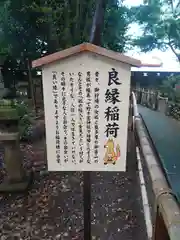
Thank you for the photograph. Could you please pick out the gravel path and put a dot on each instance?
(53, 206)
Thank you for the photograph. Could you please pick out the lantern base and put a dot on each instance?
(13, 187)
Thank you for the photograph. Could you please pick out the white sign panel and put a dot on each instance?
(86, 99)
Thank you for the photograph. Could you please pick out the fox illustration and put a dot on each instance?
(111, 155)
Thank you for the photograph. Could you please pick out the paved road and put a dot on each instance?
(165, 133)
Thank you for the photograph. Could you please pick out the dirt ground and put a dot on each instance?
(52, 208)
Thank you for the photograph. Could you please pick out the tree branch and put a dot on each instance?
(172, 6)
(170, 44)
(174, 51)
(178, 5)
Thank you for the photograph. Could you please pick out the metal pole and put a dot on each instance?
(87, 205)
(95, 38)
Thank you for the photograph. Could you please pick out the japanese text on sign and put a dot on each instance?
(88, 118)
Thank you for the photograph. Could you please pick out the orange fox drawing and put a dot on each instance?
(111, 155)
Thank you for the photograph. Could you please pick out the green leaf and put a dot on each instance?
(160, 22)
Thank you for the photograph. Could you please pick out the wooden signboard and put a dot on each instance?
(86, 100)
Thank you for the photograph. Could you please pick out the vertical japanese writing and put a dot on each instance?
(88, 117)
(64, 107)
(80, 112)
(96, 118)
(73, 117)
(56, 115)
(112, 96)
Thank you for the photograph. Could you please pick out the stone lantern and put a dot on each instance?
(9, 136)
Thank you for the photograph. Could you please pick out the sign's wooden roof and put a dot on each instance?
(85, 47)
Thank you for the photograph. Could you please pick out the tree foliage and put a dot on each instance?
(168, 88)
(29, 28)
(160, 22)
(115, 27)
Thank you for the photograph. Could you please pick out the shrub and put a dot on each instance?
(26, 118)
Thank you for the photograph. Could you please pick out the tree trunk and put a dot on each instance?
(31, 85)
(97, 26)
(77, 20)
(68, 37)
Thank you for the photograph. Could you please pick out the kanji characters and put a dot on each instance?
(88, 117)
(113, 77)
(96, 118)
(72, 111)
(112, 96)
(65, 119)
(80, 113)
(112, 114)
(56, 115)
(112, 129)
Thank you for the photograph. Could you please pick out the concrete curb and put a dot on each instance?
(145, 201)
